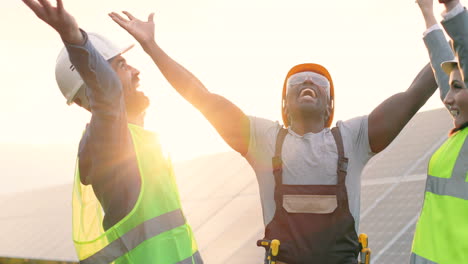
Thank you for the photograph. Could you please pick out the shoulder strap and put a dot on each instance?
(276, 161)
(342, 166)
(279, 141)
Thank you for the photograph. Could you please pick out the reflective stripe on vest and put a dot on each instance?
(449, 187)
(195, 259)
(136, 236)
(415, 259)
(442, 228)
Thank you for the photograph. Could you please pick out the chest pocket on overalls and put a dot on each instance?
(311, 204)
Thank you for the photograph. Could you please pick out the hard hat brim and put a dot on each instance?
(127, 48)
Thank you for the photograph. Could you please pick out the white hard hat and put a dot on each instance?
(69, 80)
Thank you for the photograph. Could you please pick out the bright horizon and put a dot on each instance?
(239, 49)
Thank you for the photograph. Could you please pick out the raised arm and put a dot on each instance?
(230, 122)
(103, 85)
(456, 25)
(388, 119)
(107, 135)
(437, 46)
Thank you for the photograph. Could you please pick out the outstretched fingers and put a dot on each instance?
(130, 16)
(151, 17)
(35, 7)
(60, 7)
(47, 7)
(118, 19)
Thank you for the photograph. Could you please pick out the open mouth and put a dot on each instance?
(307, 92)
(136, 83)
(454, 112)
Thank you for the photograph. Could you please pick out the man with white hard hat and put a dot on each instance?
(126, 206)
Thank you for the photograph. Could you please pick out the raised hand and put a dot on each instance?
(58, 18)
(427, 9)
(426, 6)
(142, 31)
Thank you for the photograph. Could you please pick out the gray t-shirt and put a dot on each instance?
(308, 160)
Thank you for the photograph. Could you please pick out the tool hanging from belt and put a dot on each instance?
(365, 250)
(271, 250)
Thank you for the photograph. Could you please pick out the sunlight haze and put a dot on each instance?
(239, 49)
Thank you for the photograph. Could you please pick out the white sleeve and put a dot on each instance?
(262, 138)
(356, 129)
(432, 28)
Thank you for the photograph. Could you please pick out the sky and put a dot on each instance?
(239, 49)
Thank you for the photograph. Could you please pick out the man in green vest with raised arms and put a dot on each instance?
(126, 206)
(441, 235)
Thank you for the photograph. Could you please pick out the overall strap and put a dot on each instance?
(342, 166)
(276, 161)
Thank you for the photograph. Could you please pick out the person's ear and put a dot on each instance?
(328, 111)
(77, 101)
(286, 113)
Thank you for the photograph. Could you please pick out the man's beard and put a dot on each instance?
(308, 112)
(136, 103)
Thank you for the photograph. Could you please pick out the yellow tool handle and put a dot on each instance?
(275, 244)
(263, 243)
(367, 256)
(363, 239)
(272, 247)
(365, 251)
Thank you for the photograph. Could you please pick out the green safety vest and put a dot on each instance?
(154, 232)
(441, 235)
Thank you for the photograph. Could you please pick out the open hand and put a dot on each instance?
(58, 18)
(142, 31)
